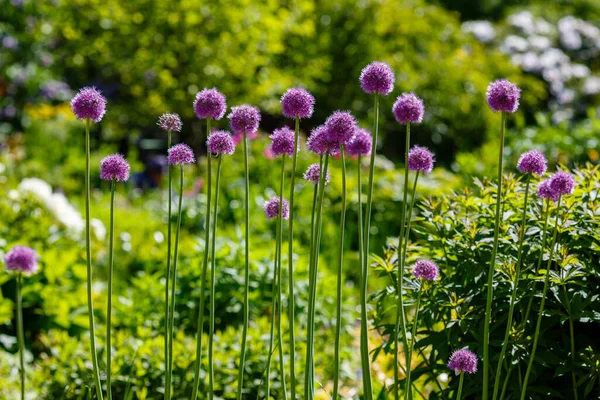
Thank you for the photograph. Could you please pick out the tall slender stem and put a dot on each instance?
(20, 334)
(513, 296)
(204, 273)
(291, 300)
(168, 278)
(572, 339)
(273, 306)
(400, 317)
(279, 268)
(542, 304)
(88, 253)
(460, 386)
(490, 288)
(505, 384)
(211, 330)
(111, 241)
(413, 339)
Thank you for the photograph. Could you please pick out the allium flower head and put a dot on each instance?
(503, 96)
(312, 174)
(181, 154)
(89, 104)
(114, 167)
(544, 191)
(426, 269)
(21, 259)
(272, 208)
(377, 77)
(463, 360)
(318, 142)
(408, 108)
(420, 159)
(297, 102)
(244, 118)
(210, 103)
(562, 183)
(170, 122)
(220, 142)
(282, 141)
(341, 126)
(532, 162)
(360, 144)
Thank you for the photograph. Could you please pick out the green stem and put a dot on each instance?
(490, 288)
(505, 384)
(273, 305)
(572, 339)
(211, 330)
(279, 268)
(413, 339)
(513, 296)
(88, 253)
(168, 278)
(20, 334)
(460, 386)
(400, 316)
(291, 300)
(204, 273)
(542, 304)
(111, 241)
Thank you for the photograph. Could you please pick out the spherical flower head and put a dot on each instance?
(341, 126)
(21, 259)
(220, 142)
(89, 104)
(210, 103)
(313, 175)
(420, 159)
(503, 96)
(282, 141)
(170, 122)
(377, 77)
(463, 360)
(297, 103)
(360, 144)
(532, 162)
(426, 269)
(114, 167)
(319, 143)
(545, 191)
(408, 108)
(272, 208)
(562, 183)
(181, 154)
(244, 118)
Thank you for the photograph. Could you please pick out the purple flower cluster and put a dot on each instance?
(21, 259)
(89, 104)
(503, 96)
(341, 126)
(114, 167)
(408, 108)
(463, 360)
(426, 269)
(312, 174)
(377, 77)
(319, 143)
(181, 154)
(420, 159)
(297, 103)
(562, 183)
(532, 162)
(272, 208)
(244, 118)
(282, 141)
(544, 191)
(360, 144)
(210, 103)
(220, 142)
(170, 122)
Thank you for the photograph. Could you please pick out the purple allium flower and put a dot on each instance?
(562, 183)
(318, 142)
(420, 159)
(544, 191)
(360, 144)
(297, 102)
(210, 103)
(312, 174)
(426, 269)
(272, 208)
(503, 96)
(114, 167)
(21, 259)
(220, 142)
(532, 162)
(181, 154)
(170, 122)
(377, 77)
(282, 141)
(463, 360)
(408, 108)
(244, 118)
(341, 126)
(89, 104)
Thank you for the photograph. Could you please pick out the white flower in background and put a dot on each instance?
(540, 42)
(591, 85)
(98, 228)
(514, 44)
(523, 21)
(482, 30)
